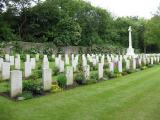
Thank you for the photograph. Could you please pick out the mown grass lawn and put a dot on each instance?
(133, 97)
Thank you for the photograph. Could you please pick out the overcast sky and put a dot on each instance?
(141, 8)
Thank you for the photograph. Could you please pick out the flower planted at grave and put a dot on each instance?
(55, 88)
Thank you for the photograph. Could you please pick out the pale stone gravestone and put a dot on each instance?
(134, 64)
(66, 59)
(45, 65)
(102, 59)
(7, 58)
(86, 70)
(47, 79)
(27, 69)
(140, 62)
(120, 66)
(97, 58)
(72, 57)
(27, 58)
(45, 58)
(1, 61)
(127, 64)
(69, 75)
(16, 83)
(11, 58)
(61, 66)
(151, 60)
(74, 65)
(33, 63)
(17, 64)
(53, 56)
(144, 60)
(57, 62)
(158, 59)
(100, 70)
(5, 70)
(18, 56)
(84, 61)
(94, 61)
(111, 66)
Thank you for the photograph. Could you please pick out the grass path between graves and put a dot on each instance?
(132, 97)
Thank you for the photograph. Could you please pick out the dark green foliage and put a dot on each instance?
(130, 71)
(94, 76)
(112, 75)
(34, 86)
(55, 71)
(80, 79)
(62, 80)
(72, 23)
(36, 74)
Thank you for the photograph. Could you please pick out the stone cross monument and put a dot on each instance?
(130, 50)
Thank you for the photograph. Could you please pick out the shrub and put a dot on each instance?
(55, 71)
(94, 76)
(112, 75)
(106, 66)
(23, 57)
(62, 80)
(118, 75)
(36, 74)
(80, 79)
(34, 86)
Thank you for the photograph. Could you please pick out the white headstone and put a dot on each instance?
(5, 70)
(27, 58)
(120, 66)
(17, 63)
(16, 83)
(45, 65)
(127, 64)
(7, 59)
(61, 69)
(1, 61)
(33, 63)
(66, 59)
(57, 62)
(86, 70)
(151, 60)
(11, 58)
(45, 58)
(111, 66)
(100, 70)
(134, 64)
(47, 79)
(27, 69)
(69, 75)
(140, 62)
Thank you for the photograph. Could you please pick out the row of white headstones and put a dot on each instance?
(15, 76)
